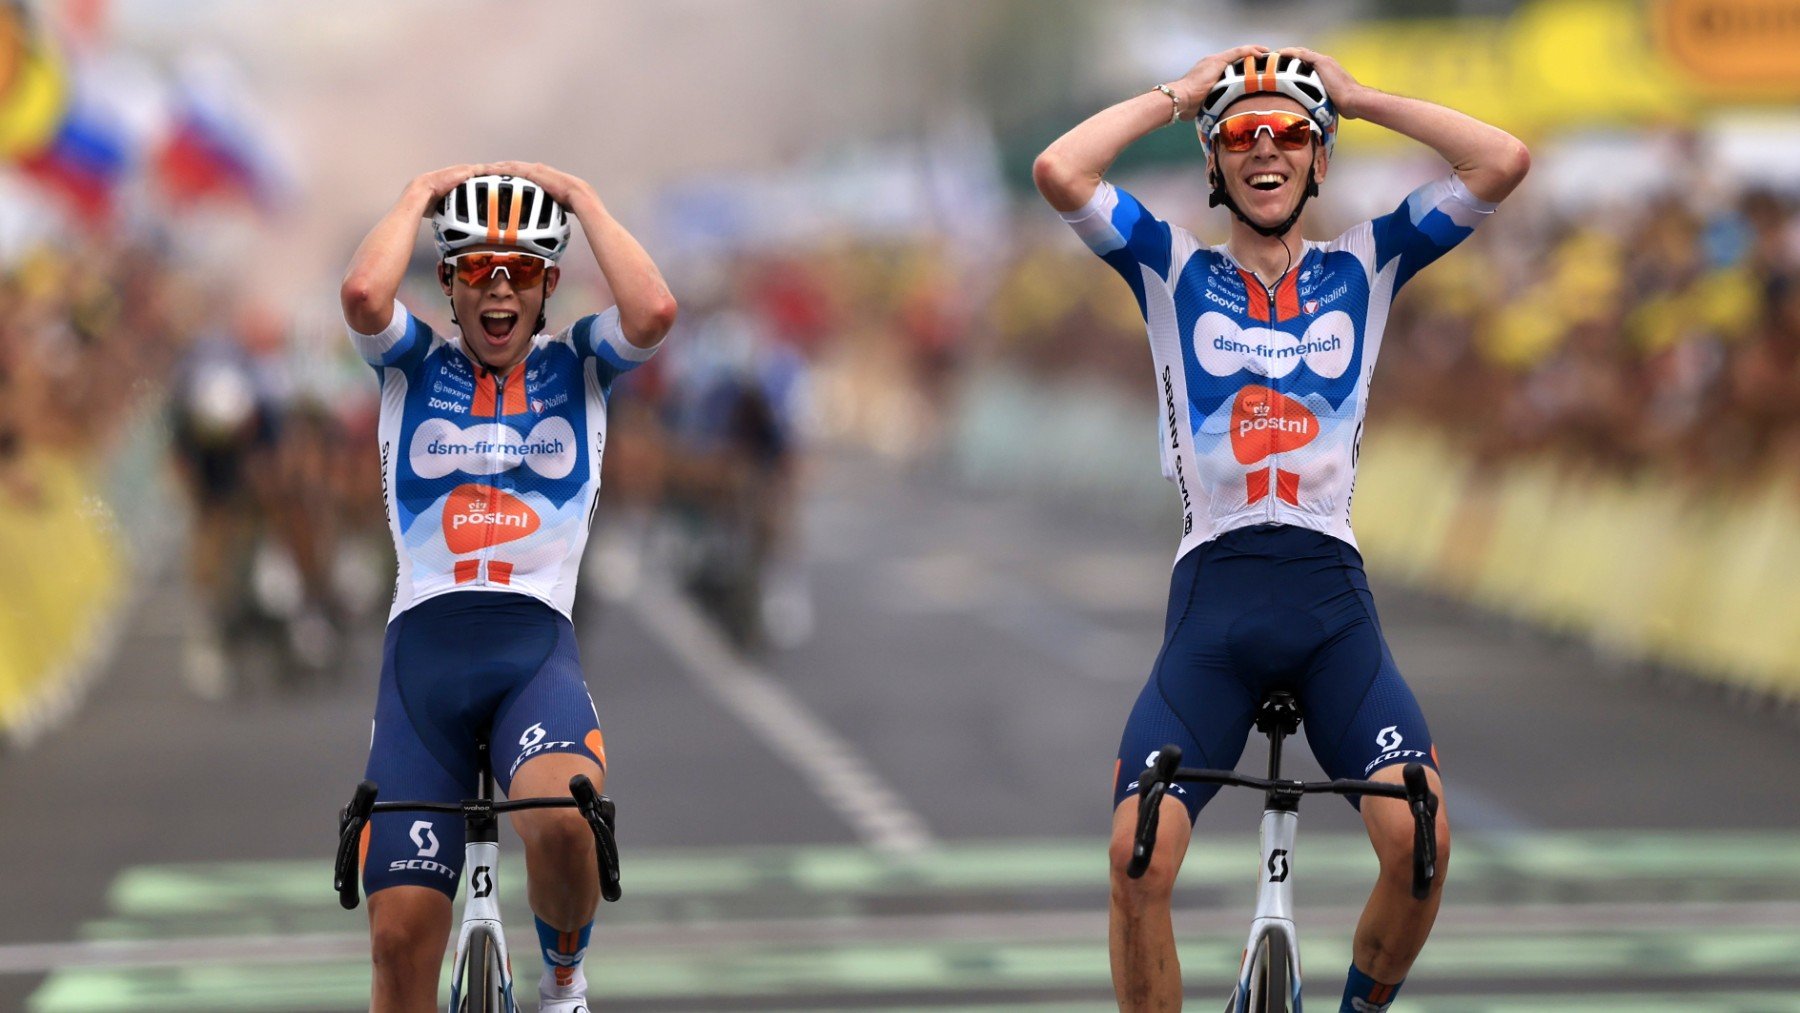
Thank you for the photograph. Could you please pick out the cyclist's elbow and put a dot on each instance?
(1060, 182)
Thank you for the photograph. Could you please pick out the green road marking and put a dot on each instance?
(703, 893)
(1767, 862)
(972, 966)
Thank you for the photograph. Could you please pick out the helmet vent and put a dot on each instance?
(461, 195)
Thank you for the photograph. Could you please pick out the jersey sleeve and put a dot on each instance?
(1427, 225)
(600, 336)
(1124, 234)
(401, 345)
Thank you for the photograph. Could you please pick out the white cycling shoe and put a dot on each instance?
(571, 998)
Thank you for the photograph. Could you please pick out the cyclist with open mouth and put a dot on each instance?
(1263, 349)
(491, 437)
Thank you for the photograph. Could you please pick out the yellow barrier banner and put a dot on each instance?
(1635, 565)
(67, 577)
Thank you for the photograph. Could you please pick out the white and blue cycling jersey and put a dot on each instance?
(1262, 392)
(490, 480)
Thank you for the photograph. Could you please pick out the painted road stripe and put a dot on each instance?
(788, 727)
(1753, 958)
(1696, 866)
(706, 935)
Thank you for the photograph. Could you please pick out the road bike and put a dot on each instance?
(481, 977)
(1269, 975)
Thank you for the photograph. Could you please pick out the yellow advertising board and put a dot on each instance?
(1747, 46)
(1556, 64)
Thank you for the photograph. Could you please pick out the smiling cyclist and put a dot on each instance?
(491, 436)
(1263, 349)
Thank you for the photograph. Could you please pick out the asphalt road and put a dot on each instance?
(909, 811)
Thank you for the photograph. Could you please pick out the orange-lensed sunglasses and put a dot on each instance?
(522, 270)
(1289, 131)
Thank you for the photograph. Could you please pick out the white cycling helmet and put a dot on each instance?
(501, 211)
(1270, 72)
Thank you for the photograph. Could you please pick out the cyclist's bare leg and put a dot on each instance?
(563, 878)
(409, 929)
(1393, 926)
(1146, 971)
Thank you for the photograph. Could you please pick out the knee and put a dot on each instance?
(404, 948)
(1394, 849)
(1152, 889)
(557, 834)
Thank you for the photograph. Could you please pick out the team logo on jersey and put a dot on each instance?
(477, 516)
(441, 447)
(1266, 421)
(1223, 347)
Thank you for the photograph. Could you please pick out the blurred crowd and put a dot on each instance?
(89, 331)
(1662, 334)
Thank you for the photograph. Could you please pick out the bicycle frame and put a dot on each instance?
(481, 904)
(1279, 717)
(1274, 902)
(481, 861)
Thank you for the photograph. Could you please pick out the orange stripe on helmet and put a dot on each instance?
(1269, 63)
(493, 213)
(1252, 76)
(512, 220)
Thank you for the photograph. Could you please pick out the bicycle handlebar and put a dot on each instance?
(595, 808)
(1167, 770)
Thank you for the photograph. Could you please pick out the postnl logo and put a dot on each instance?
(476, 516)
(1265, 421)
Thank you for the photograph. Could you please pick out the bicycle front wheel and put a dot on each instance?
(484, 986)
(1271, 976)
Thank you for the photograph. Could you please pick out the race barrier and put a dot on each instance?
(67, 580)
(1642, 568)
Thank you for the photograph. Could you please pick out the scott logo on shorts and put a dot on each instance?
(532, 743)
(426, 841)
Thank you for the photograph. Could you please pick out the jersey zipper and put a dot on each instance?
(1274, 474)
(495, 459)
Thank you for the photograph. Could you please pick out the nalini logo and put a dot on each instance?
(477, 516)
(1389, 738)
(424, 839)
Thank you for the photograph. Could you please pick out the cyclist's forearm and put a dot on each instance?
(1069, 170)
(379, 264)
(1490, 161)
(646, 307)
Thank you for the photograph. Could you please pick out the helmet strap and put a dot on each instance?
(1219, 196)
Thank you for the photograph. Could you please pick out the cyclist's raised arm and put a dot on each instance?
(1069, 170)
(646, 307)
(1488, 160)
(379, 264)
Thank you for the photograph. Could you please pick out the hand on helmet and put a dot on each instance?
(561, 186)
(1194, 85)
(1345, 92)
(442, 181)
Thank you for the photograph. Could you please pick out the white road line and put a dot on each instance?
(819, 755)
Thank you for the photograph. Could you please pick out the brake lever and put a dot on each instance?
(1424, 805)
(1153, 784)
(600, 814)
(351, 820)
